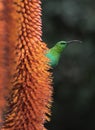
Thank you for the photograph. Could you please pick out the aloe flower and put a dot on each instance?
(29, 81)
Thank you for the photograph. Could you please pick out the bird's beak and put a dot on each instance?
(74, 41)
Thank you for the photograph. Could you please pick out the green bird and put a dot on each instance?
(55, 52)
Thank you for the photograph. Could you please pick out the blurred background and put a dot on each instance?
(74, 77)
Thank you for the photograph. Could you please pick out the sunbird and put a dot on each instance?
(54, 53)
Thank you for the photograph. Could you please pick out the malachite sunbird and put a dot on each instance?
(55, 52)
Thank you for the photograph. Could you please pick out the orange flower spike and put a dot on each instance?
(30, 90)
(1, 66)
(3, 60)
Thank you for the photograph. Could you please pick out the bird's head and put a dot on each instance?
(61, 45)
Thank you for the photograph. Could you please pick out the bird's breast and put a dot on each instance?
(53, 59)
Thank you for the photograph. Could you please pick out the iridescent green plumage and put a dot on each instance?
(55, 52)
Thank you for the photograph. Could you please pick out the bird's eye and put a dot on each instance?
(62, 43)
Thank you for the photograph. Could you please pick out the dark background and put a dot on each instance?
(74, 77)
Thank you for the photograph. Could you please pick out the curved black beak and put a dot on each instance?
(74, 41)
